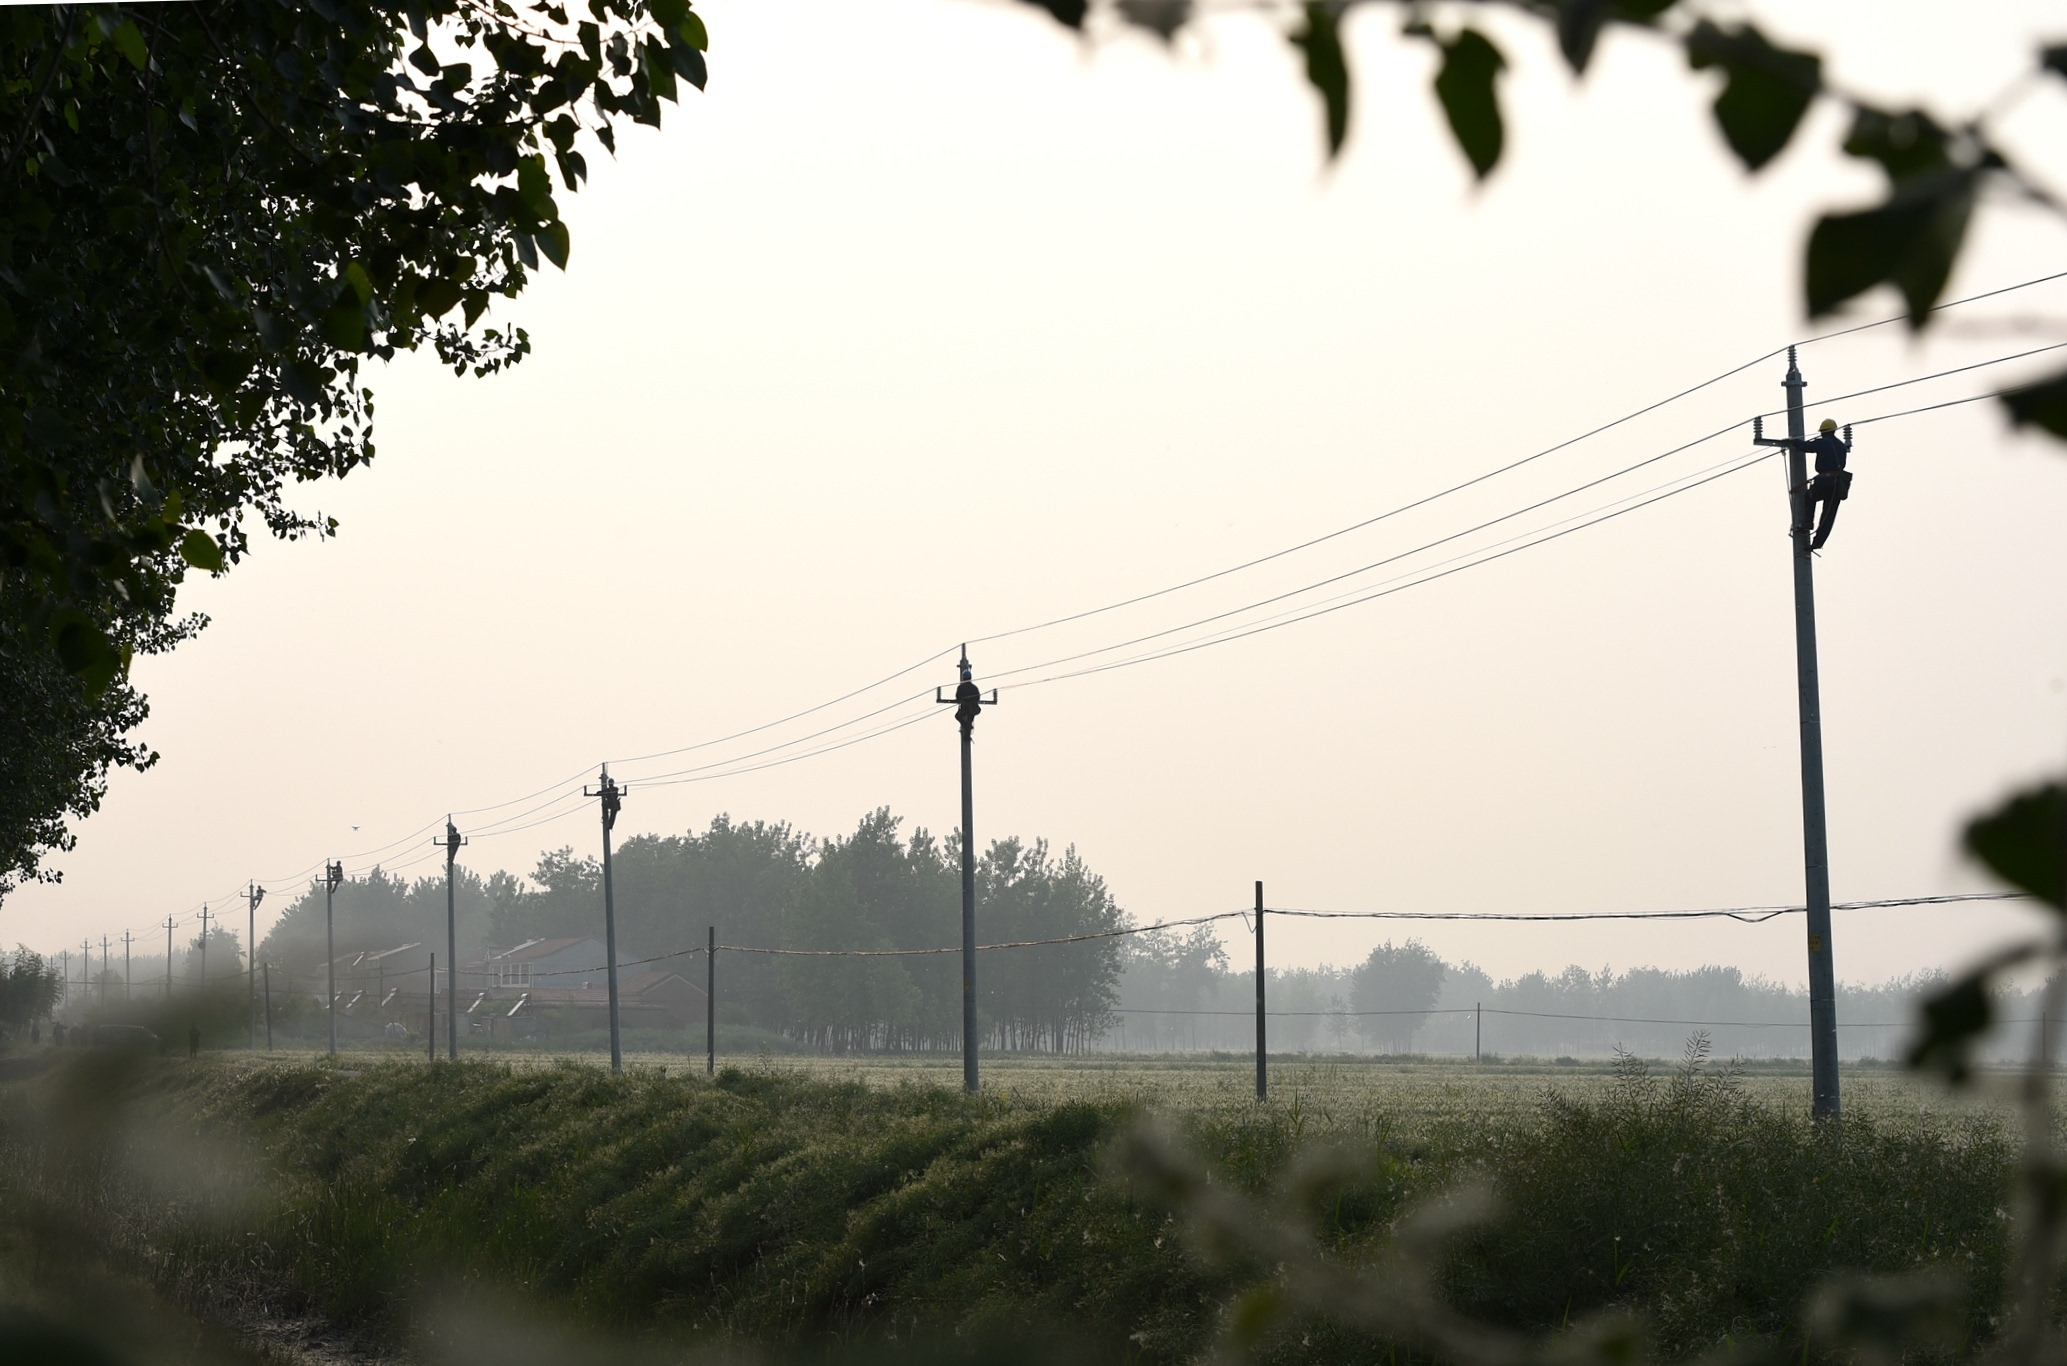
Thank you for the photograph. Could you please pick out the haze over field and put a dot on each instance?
(928, 322)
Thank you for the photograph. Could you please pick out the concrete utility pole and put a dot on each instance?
(168, 957)
(333, 878)
(1814, 833)
(104, 972)
(253, 895)
(613, 802)
(430, 1024)
(1478, 1027)
(1262, 1081)
(269, 1006)
(969, 703)
(204, 946)
(128, 983)
(710, 1006)
(453, 844)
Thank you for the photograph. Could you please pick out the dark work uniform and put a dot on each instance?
(1832, 484)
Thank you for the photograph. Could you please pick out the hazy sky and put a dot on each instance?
(929, 322)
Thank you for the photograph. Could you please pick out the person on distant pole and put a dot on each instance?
(1833, 482)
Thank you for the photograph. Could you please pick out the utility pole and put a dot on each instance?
(64, 977)
(1815, 834)
(710, 1006)
(103, 972)
(128, 984)
(613, 802)
(1478, 1027)
(430, 1026)
(269, 1007)
(969, 703)
(204, 946)
(452, 844)
(253, 895)
(333, 878)
(86, 972)
(168, 957)
(1262, 1082)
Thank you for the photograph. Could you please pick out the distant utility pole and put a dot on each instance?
(64, 977)
(128, 984)
(453, 843)
(1478, 1026)
(104, 972)
(1808, 691)
(204, 946)
(613, 802)
(710, 1006)
(86, 972)
(1262, 1081)
(269, 1006)
(430, 1025)
(969, 702)
(333, 878)
(168, 957)
(252, 896)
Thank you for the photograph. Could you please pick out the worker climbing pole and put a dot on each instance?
(1833, 482)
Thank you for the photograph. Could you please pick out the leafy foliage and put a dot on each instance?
(211, 216)
(28, 987)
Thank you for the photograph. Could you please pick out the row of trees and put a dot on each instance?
(1179, 993)
(769, 886)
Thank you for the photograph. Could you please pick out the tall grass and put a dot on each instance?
(773, 1208)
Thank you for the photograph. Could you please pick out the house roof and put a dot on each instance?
(540, 948)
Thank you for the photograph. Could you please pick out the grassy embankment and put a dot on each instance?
(777, 1208)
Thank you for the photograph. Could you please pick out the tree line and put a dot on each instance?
(1179, 993)
(771, 886)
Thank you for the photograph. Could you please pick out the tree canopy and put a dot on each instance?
(211, 216)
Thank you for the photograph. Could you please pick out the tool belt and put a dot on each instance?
(1836, 487)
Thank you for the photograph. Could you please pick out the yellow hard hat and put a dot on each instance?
(1829, 425)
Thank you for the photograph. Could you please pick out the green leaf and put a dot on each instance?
(1320, 38)
(1909, 242)
(199, 549)
(2043, 404)
(129, 41)
(535, 187)
(355, 278)
(1906, 144)
(668, 13)
(694, 33)
(345, 325)
(1953, 1018)
(552, 240)
(1069, 13)
(1465, 85)
(2024, 842)
(1579, 23)
(1768, 90)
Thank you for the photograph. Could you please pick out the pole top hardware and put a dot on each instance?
(612, 794)
(333, 876)
(256, 894)
(968, 699)
(453, 841)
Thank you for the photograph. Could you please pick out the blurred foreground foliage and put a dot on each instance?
(764, 1214)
